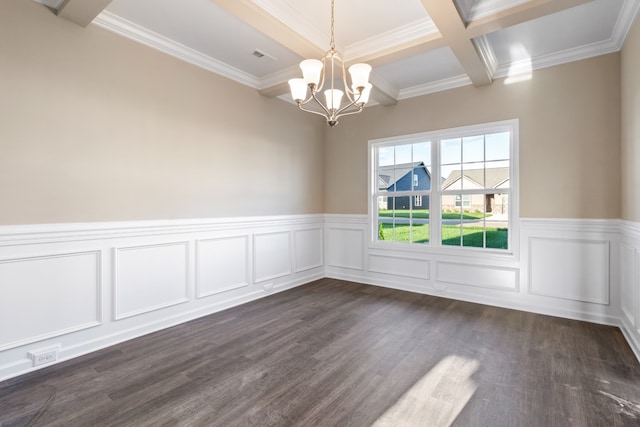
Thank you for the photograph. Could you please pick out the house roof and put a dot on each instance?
(494, 177)
(386, 177)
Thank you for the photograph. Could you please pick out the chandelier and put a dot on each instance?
(316, 73)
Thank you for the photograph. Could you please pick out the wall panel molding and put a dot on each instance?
(345, 247)
(308, 248)
(222, 264)
(148, 278)
(405, 266)
(35, 281)
(272, 254)
(484, 276)
(574, 269)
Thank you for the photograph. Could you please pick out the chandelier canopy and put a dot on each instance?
(316, 73)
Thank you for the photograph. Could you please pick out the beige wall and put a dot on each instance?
(94, 127)
(569, 138)
(630, 65)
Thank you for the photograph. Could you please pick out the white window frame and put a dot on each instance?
(435, 195)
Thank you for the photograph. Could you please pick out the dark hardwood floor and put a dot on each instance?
(335, 353)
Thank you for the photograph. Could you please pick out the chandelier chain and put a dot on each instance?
(333, 44)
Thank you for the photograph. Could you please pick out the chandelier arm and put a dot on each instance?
(348, 113)
(313, 112)
(327, 113)
(352, 104)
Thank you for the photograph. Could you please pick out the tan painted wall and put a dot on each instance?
(94, 127)
(630, 66)
(569, 138)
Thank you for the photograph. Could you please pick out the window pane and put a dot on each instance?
(497, 225)
(473, 176)
(420, 231)
(498, 174)
(421, 178)
(497, 146)
(385, 156)
(451, 220)
(403, 154)
(451, 151)
(386, 178)
(473, 149)
(473, 221)
(451, 175)
(422, 153)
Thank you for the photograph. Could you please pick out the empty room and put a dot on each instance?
(319, 212)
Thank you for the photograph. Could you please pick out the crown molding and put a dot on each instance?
(279, 77)
(487, 54)
(437, 86)
(389, 39)
(128, 29)
(558, 58)
(628, 14)
(52, 4)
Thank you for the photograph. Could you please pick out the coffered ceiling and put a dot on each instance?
(415, 46)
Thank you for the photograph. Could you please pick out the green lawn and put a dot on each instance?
(424, 214)
(471, 236)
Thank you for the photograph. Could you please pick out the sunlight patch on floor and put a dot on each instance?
(437, 398)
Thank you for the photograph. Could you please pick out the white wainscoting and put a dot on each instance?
(630, 283)
(564, 268)
(82, 287)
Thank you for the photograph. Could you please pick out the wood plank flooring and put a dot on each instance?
(335, 353)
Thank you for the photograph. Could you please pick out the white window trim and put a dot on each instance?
(435, 246)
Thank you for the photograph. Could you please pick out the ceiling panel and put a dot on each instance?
(355, 20)
(210, 30)
(571, 29)
(414, 71)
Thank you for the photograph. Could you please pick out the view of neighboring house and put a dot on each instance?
(404, 177)
(490, 178)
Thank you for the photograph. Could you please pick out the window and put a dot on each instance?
(463, 200)
(447, 188)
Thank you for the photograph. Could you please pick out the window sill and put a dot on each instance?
(436, 251)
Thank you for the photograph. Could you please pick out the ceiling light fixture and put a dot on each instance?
(316, 73)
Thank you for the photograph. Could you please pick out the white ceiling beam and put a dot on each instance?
(453, 29)
(402, 51)
(261, 20)
(383, 92)
(82, 12)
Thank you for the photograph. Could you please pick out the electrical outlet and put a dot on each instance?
(42, 357)
(440, 289)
